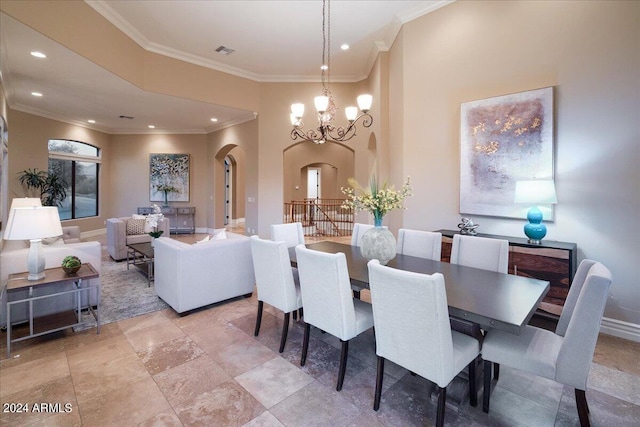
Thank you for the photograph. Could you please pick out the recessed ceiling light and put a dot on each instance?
(213, 119)
(38, 54)
(36, 94)
(344, 46)
(324, 67)
(151, 127)
(91, 121)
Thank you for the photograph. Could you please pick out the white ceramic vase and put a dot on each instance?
(378, 243)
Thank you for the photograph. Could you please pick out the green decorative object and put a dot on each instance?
(71, 264)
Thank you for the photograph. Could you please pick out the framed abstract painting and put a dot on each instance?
(168, 178)
(503, 140)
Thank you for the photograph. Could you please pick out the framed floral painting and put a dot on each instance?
(503, 140)
(169, 178)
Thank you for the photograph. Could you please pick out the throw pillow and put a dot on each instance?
(135, 226)
(220, 234)
(53, 241)
(206, 239)
(148, 226)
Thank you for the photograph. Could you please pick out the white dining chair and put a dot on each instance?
(277, 284)
(328, 302)
(418, 243)
(292, 233)
(480, 252)
(483, 253)
(358, 230)
(411, 320)
(564, 356)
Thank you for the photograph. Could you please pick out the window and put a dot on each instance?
(77, 164)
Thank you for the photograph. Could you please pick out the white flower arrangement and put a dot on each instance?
(377, 200)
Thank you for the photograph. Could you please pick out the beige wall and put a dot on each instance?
(299, 156)
(28, 149)
(129, 172)
(232, 140)
(590, 53)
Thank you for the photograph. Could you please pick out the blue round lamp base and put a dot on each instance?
(535, 230)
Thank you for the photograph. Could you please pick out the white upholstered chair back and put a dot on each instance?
(411, 318)
(274, 276)
(581, 335)
(326, 292)
(358, 231)
(572, 298)
(418, 243)
(292, 234)
(564, 356)
(480, 252)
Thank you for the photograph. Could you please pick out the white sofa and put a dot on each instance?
(118, 239)
(192, 276)
(13, 259)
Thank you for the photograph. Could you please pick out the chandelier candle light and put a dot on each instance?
(325, 105)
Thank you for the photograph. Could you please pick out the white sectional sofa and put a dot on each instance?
(192, 276)
(118, 238)
(13, 259)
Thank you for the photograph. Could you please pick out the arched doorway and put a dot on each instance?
(229, 187)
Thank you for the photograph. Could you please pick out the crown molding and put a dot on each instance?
(125, 26)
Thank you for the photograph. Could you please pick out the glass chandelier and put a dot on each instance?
(325, 105)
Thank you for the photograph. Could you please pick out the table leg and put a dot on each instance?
(8, 328)
(150, 271)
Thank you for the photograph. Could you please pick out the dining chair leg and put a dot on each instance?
(496, 371)
(295, 314)
(379, 377)
(300, 313)
(305, 343)
(486, 392)
(583, 408)
(473, 391)
(442, 400)
(258, 318)
(285, 331)
(343, 364)
(356, 294)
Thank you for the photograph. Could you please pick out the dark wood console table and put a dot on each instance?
(551, 260)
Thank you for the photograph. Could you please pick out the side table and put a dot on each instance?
(59, 321)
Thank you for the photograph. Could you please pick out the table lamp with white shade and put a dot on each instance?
(25, 202)
(535, 192)
(33, 223)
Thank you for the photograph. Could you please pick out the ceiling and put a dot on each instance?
(274, 41)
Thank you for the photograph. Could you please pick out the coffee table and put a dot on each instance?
(141, 255)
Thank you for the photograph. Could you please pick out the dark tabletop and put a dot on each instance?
(492, 300)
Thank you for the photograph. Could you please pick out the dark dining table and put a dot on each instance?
(486, 298)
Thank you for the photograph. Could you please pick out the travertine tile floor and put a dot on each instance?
(207, 369)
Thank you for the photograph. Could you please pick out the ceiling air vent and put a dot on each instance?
(126, 117)
(225, 50)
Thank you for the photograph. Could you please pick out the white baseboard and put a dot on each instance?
(620, 329)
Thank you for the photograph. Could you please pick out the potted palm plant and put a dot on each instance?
(50, 188)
